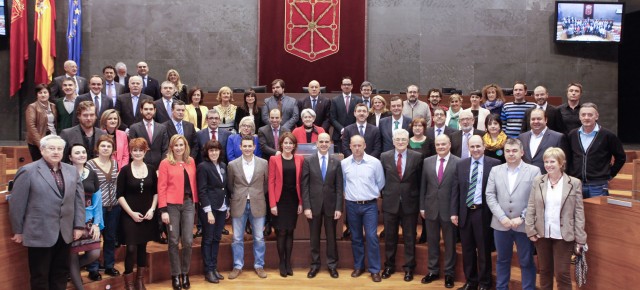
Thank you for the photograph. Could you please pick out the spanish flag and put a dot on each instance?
(45, 37)
(18, 46)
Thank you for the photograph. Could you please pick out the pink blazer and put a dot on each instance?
(121, 155)
(275, 178)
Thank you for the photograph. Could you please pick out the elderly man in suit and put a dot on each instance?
(400, 202)
(177, 125)
(112, 88)
(287, 105)
(129, 104)
(153, 132)
(70, 69)
(439, 127)
(248, 180)
(435, 207)
(212, 132)
(322, 199)
(47, 213)
(469, 212)
(507, 193)
(342, 112)
(318, 104)
(95, 95)
(85, 133)
(164, 105)
(539, 138)
(460, 139)
(370, 133)
(150, 86)
(121, 74)
(552, 114)
(390, 124)
(268, 135)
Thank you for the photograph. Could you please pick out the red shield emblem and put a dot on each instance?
(312, 28)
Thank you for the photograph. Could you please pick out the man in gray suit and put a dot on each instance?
(435, 207)
(322, 199)
(248, 180)
(288, 106)
(85, 132)
(507, 193)
(153, 132)
(47, 213)
(541, 137)
(70, 69)
(112, 89)
(267, 134)
(95, 95)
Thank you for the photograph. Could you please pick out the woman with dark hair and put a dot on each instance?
(41, 117)
(195, 111)
(495, 138)
(493, 98)
(249, 108)
(284, 197)
(181, 89)
(137, 195)
(109, 123)
(214, 206)
(226, 110)
(420, 142)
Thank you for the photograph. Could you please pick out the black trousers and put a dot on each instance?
(315, 227)
(476, 241)
(409, 223)
(49, 267)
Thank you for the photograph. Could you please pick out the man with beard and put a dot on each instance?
(153, 132)
(552, 114)
(435, 96)
(414, 108)
(287, 105)
(85, 132)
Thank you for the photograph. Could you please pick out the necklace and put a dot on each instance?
(554, 183)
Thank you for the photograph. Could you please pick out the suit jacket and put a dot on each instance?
(65, 119)
(189, 133)
(191, 116)
(323, 110)
(549, 139)
(39, 211)
(502, 201)
(435, 198)
(290, 113)
(276, 178)
(74, 135)
(255, 189)
(105, 104)
(401, 192)
(386, 131)
(461, 187)
(431, 132)
(151, 89)
(554, 119)
(318, 194)
(56, 86)
(482, 115)
(371, 139)
(124, 105)
(456, 141)
(340, 115)
(171, 182)
(372, 117)
(212, 185)
(121, 155)
(204, 136)
(126, 80)
(267, 143)
(162, 116)
(571, 213)
(119, 91)
(157, 146)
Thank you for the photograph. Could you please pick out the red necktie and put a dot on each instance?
(275, 138)
(346, 103)
(149, 132)
(399, 165)
(441, 170)
(213, 135)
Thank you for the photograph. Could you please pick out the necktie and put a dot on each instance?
(169, 108)
(313, 104)
(213, 135)
(323, 167)
(110, 93)
(145, 83)
(77, 86)
(465, 146)
(275, 139)
(346, 103)
(441, 170)
(472, 184)
(399, 165)
(366, 102)
(541, 108)
(362, 130)
(149, 132)
(439, 130)
(179, 126)
(396, 125)
(135, 105)
(96, 101)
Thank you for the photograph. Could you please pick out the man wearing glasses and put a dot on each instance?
(342, 111)
(212, 132)
(414, 108)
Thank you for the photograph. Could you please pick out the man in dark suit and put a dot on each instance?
(129, 104)
(85, 132)
(267, 135)
(389, 124)
(435, 207)
(95, 95)
(159, 141)
(342, 113)
(470, 213)
(71, 69)
(288, 106)
(539, 139)
(150, 86)
(121, 74)
(439, 126)
(400, 201)
(370, 133)
(164, 104)
(318, 104)
(366, 89)
(553, 115)
(177, 125)
(112, 88)
(322, 199)
(212, 132)
(460, 139)
(47, 212)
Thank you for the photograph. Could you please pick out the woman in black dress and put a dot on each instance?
(284, 197)
(249, 108)
(137, 195)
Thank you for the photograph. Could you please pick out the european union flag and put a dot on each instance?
(74, 32)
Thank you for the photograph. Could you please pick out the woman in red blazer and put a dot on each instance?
(308, 132)
(284, 197)
(177, 194)
(109, 123)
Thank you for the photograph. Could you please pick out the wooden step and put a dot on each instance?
(621, 193)
(621, 182)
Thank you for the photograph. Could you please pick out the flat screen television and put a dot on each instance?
(3, 19)
(588, 21)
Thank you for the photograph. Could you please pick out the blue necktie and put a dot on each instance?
(169, 108)
(472, 184)
(362, 130)
(439, 131)
(313, 104)
(180, 128)
(323, 167)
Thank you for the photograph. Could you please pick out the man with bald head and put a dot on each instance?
(552, 114)
(70, 69)
(150, 86)
(319, 104)
(129, 104)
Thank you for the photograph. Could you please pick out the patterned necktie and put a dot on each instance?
(323, 167)
(396, 125)
(96, 101)
(362, 130)
(149, 132)
(441, 170)
(399, 165)
(275, 139)
(472, 184)
(213, 135)
(179, 125)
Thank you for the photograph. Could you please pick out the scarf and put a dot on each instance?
(491, 105)
(453, 119)
(490, 145)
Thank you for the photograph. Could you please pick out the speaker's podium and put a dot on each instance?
(613, 236)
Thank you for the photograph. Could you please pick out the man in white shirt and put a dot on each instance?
(539, 139)
(439, 126)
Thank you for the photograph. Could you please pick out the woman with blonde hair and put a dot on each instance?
(493, 98)
(196, 111)
(453, 114)
(109, 123)
(181, 89)
(226, 109)
(378, 110)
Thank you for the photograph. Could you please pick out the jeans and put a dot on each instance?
(504, 246)
(180, 228)
(257, 227)
(364, 216)
(595, 188)
(211, 234)
(111, 223)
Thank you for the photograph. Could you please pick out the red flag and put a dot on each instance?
(18, 46)
(45, 37)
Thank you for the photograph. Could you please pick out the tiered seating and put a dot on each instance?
(628, 179)
(12, 158)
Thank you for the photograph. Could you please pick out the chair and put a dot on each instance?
(507, 92)
(306, 89)
(383, 92)
(259, 89)
(238, 90)
(448, 91)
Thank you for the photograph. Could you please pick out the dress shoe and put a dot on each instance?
(225, 231)
(484, 288)
(333, 272)
(346, 234)
(267, 230)
(422, 240)
(448, 281)
(375, 277)
(467, 286)
(382, 234)
(429, 278)
(185, 281)
(175, 282)
(211, 278)
(357, 273)
(235, 273)
(408, 276)
(289, 270)
(261, 273)
(112, 272)
(95, 276)
(283, 270)
(387, 272)
(312, 273)
(198, 233)
(217, 274)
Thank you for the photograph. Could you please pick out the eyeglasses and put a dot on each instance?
(213, 118)
(54, 149)
(347, 85)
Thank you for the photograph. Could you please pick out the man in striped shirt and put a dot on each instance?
(513, 112)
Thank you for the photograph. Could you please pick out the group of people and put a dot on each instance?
(495, 188)
(575, 27)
